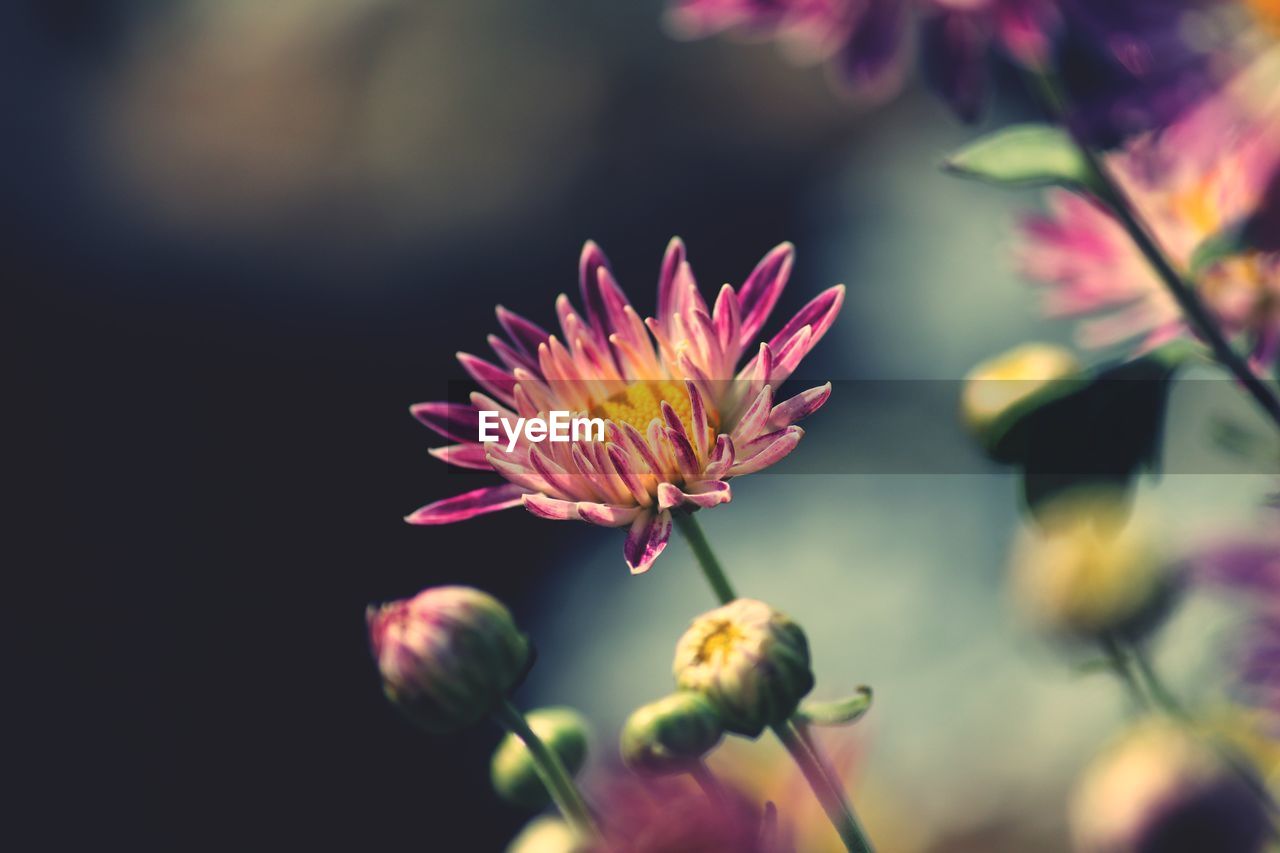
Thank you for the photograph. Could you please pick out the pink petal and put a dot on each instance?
(820, 313)
(759, 293)
(671, 262)
(550, 508)
(686, 460)
(498, 382)
(526, 334)
(646, 539)
(589, 266)
(754, 418)
(699, 419)
(463, 456)
(767, 450)
(456, 421)
(799, 407)
(510, 356)
(607, 515)
(468, 505)
(703, 496)
(721, 458)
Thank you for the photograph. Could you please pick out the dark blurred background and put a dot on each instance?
(241, 238)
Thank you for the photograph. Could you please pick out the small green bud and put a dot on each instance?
(1000, 393)
(448, 656)
(750, 662)
(513, 771)
(671, 734)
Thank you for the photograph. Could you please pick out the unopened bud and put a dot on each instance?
(750, 662)
(1087, 570)
(448, 656)
(513, 770)
(670, 735)
(1000, 393)
(1160, 788)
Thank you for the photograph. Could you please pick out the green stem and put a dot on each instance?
(708, 782)
(832, 799)
(710, 566)
(825, 788)
(1182, 291)
(1134, 668)
(1119, 661)
(550, 770)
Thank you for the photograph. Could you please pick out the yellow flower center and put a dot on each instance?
(719, 643)
(640, 402)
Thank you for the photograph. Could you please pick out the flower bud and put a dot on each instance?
(1161, 789)
(448, 656)
(750, 662)
(1087, 571)
(999, 393)
(671, 734)
(546, 834)
(513, 770)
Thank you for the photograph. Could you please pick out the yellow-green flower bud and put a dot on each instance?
(1001, 392)
(750, 662)
(448, 656)
(1087, 570)
(671, 734)
(1161, 788)
(513, 770)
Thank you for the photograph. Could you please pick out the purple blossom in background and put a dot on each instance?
(1126, 66)
(1252, 569)
(868, 41)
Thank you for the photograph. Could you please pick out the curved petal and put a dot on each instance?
(525, 334)
(759, 293)
(646, 539)
(768, 450)
(489, 376)
(455, 421)
(468, 505)
(799, 407)
(551, 508)
(463, 456)
(607, 515)
(703, 496)
(819, 313)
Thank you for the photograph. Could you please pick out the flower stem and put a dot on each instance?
(1133, 666)
(711, 568)
(805, 754)
(832, 799)
(708, 782)
(1182, 291)
(551, 771)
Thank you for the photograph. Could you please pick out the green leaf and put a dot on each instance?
(837, 712)
(1024, 155)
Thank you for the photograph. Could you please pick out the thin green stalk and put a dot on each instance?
(1182, 291)
(832, 799)
(1119, 661)
(1171, 707)
(825, 788)
(564, 793)
(707, 561)
(708, 782)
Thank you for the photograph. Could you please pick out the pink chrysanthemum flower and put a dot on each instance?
(1201, 175)
(681, 418)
